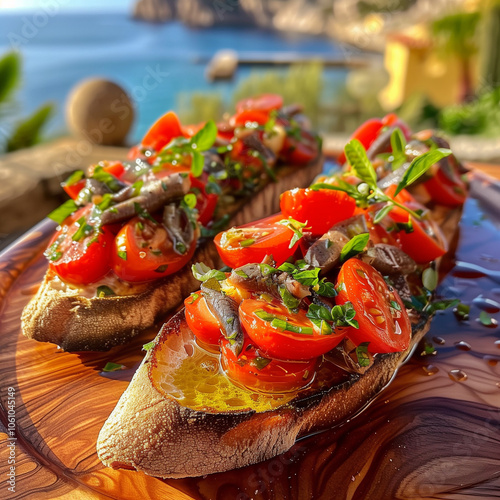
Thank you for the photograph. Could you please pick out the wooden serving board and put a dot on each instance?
(434, 433)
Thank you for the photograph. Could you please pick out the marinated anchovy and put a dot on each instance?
(225, 309)
(401, 286)
(389, 259)
(152, 197)
(256, 278)
(252, 141)
(183, 234)
(325, 253)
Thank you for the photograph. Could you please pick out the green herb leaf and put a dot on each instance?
(380, 215)
(190, 200)
(420, 165)
(137, 186)
(122, 254)
(142, 212)
(106, 178)
(296, 227)
(398, 145)
(60, 214)
(260, 363)
(241, 273)
(161, 269)
(197, 164)
(148, 346)
(362, 354)
(407, 227)
(462, 311)
(204, 139)
(264, 315)
(267, 270)
(83, 230)
(113, 367)
(354, 246)
(204, 273)
(281, 324)
(104, 291)
(289, 300)
(247, 243)
(430, 278)
(361, 165)
(441, 305)
(485, 318)
(75, 177)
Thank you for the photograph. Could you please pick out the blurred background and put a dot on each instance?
(434, 62)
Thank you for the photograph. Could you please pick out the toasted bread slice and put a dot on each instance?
(76, 320)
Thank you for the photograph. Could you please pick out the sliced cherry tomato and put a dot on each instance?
(382, 317)
(115, 168)
(426, 242)
(244, 155)
(258, 373)
(300, 148)
(321, 209)
(206, 202)
(254, 241)
(250, 115)
(366, 133)
(201, 320)
(446, 186)
(72, 190)
(190, 130)
(393, 120)
(74, 255)
(165, 129)
(265, 102)
(144, 250)
(383, 231)
(276, 342)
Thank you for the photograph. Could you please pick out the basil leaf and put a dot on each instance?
(197, 164)
(122, 254)
(289, 300)
(61, 213)
(203, 273)
(398, 142)
(204, 139)
(75, 177)
(113, 367)
(430, 278)
(420, 165)
(83, 230)
(441, 305)
(354, 246)
(104, 291)
(281, 324)
(382, 213)
(362, 166)
(362, 354)
(326, 288)
(266, 269)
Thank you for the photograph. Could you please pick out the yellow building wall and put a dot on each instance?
(421, 70)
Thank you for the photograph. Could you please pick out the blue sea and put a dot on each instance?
(62, 48)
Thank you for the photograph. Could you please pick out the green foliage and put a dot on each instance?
(456, 33)
(481, 116)
(10, 75)
(301, 83)
(200, 106)
(27, 132)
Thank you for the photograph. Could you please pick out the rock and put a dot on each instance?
(100, 111)
(223, 65)
(153, 10)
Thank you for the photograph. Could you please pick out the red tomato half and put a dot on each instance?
(115, 168)
(80, 261)
(206, 202)
(366, 133)
(250, 115)
(426, 242)
(251, 242)
(201, 320)
(72, 190)
(446, 187)
(320, 209)
(261, 374)
(283, 344)
(382, 317)
(144, 251)
(165, 129)
(300, 150)
(265, 102)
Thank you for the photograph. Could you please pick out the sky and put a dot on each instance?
(66, 5)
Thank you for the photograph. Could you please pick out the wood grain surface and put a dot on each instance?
(434, 433)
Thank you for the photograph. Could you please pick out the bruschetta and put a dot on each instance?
(324, 302)
(121, 256)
